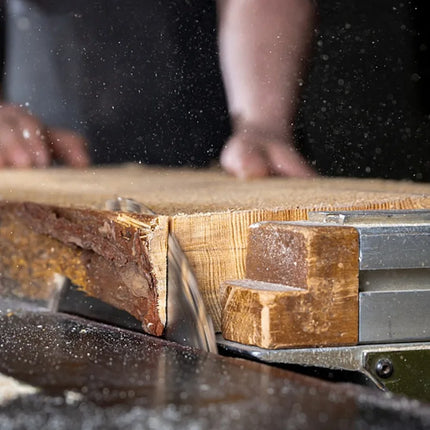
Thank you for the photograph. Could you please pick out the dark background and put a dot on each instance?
(2, 31)
(365, 106)
(421, 46)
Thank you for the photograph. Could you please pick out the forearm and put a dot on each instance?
(263, 49)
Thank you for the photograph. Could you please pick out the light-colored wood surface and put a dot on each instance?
(208, 210)
(301, 288)
(187, 191)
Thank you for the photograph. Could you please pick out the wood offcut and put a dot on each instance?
(301, 287)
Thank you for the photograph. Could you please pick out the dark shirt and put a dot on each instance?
(139, 79)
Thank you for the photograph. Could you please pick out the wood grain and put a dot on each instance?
(208, 210)
(301, 288)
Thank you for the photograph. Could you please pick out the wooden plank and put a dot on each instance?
(301, 288)
(207, 210)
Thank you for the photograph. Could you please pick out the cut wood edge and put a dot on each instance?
(157, 251)
(247, 312)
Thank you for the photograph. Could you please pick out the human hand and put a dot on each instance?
(250, 155)
(26, 142)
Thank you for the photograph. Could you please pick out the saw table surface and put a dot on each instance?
(82, 374)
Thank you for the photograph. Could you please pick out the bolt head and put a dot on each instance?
(384, 368)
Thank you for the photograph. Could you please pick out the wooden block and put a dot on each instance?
(301, 288)
(208, 211)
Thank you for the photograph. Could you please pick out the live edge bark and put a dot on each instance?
(116, 257)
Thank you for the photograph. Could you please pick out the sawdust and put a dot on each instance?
(10, 389)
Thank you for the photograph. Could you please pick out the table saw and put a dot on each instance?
(68, 371)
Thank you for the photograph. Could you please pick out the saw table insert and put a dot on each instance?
(52, 221)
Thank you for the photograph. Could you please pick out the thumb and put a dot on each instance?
(286, 161)
(69, 147)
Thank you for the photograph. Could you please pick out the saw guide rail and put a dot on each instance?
(375, 265)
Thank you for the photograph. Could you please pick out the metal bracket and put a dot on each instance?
(400, 371)
(399, 368)
(394, 276)
(388, 239)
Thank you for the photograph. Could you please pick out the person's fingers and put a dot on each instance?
(242, 158)
(21, 139)
(24, 142)
(251, 157)
(13, 153)
(286, 161)
(69, 147)
(33, 139)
